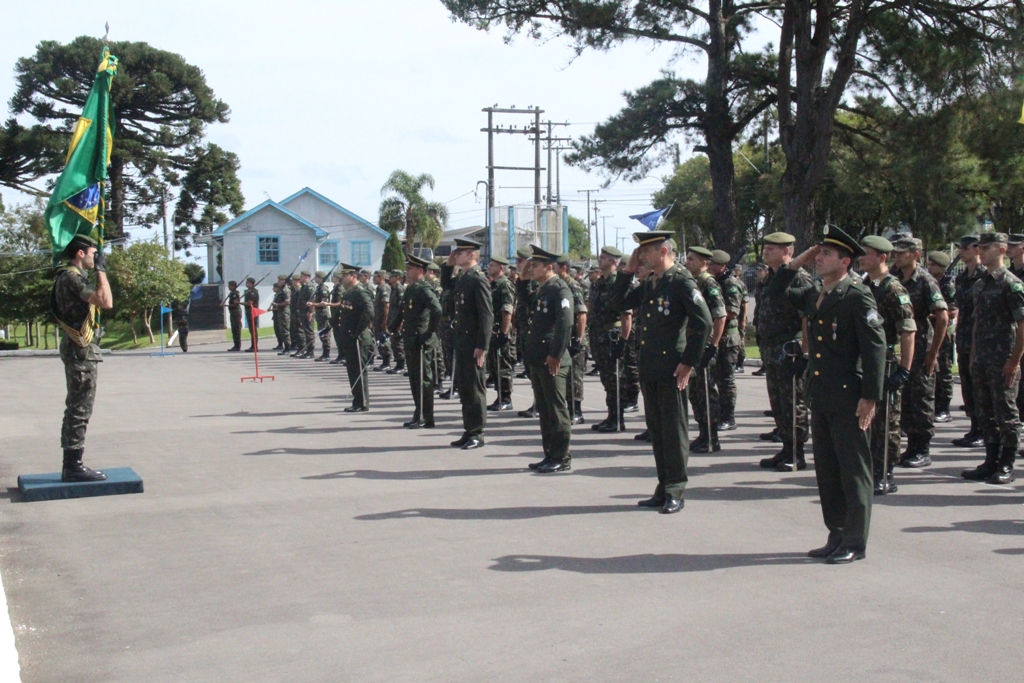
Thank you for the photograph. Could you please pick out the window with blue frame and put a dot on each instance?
(360, 252)
(329, 254)
(268, 250)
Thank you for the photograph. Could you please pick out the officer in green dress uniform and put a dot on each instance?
(472, 324)
(844, 340)
(234, 306)
(357, 339)
(418, 318)
(673, 325)
(501, 355)
(546, 353)
(525, 288)
(578, 342)
(704, 388)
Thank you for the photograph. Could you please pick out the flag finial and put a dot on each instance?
(107, 37)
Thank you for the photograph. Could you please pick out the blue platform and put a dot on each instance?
(49, 486)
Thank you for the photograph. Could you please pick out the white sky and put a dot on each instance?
(336, 95)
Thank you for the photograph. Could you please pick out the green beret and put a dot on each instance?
(396, 273)
(612, 251)
(700, 251)
(433, 266)
(564, 260)
(939, 258)
(781, 238)
(500, 259)
(523, 253)
(320, 273)
(720, 257)
(878, 243)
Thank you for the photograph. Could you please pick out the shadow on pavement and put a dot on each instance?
(644, 564)
(413, 475)
(999, 527)
(499, 513)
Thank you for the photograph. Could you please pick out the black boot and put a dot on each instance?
(879, 477)
(986, 469)
(577, 413)
(1004, 472)
(602, 423)
(942, 412)
(700, 444)
(643, 436)
(971, 439)
(785, 455)
(890, 480)
(921, 457)
(74, 470)
(615, 423)
(801, 463)
(529, 412)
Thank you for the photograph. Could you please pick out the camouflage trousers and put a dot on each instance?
(81, 376)
(725, 379)
(944, 376)
(293, 333)
(307, 341)
(236, 328)
(704, 396)
(283, 324)
(447, 335)
(995, 406)
(918, 407)
(383, 341)
(500, 360)
(323, 330)
(574, 378)
(398, 349)
(879, 431)
(780, 393)
(963, 352)
(601, 346)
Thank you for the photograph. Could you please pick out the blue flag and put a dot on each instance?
(164, 309)
(651, 218)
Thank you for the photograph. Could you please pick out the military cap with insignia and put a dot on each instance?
(835, 237)
(907, 244)
(611, 251)
(781, 238)
(939, 258)
(878, 243)
(992, 238)
(500, 259)
(652, 236)
(720, 257)
(968, 241)
(542, 255)
(1015, 239)
(463, 243)
(412, 260)
(348, 269)
(700, 251)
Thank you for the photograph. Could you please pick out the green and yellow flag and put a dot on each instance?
(76, 205)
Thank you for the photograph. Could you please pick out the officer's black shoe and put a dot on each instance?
(654, 501)
(73, 470)
(461, 441)
(474, 442)
(337, 361)
(768, 413)
(643, 436)
(449, 394)
(727, 426)
(503, 407)
(250, 350)
(382, 367)
(785, 455)
(824, 551)
(613, 426)
(412, 422)
(356, 409)
(772, 436)
(552, 466)
(235, 348)
(759, 372)
(943, 416)
(845, 556)
(985, 470)
(529, 412)
(630, 407)
(535, 465)
(671, 505)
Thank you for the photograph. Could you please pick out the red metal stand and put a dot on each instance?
(255, 345)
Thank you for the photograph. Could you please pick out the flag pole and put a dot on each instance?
(255, 345)
(163, 349)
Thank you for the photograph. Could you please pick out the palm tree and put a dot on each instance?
(405, 208)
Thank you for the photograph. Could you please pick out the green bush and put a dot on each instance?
(6, 345)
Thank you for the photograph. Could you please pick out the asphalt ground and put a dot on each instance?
(280, 539)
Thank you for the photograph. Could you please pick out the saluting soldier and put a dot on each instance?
(73, 302)
(334, 306)
(734, 295)
(546, 352)
(418, 317)
(897, 313)
(609, 331)
(578, 341)
(704, 388)
(397, 284)
(996, 353)
(381, 313)
(673, 325)
(778, 324)
(322, 297)
(283, 309)
(474, 319)
(234, 306)
(501, 354)
(251, 300)
(918, 410)
(938, 262)
(845, 342)
(355, 321)
(973, 270)
(525, 288)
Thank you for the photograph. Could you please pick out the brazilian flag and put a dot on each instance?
(76, 205)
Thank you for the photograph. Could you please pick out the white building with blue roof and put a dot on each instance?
(271, 238)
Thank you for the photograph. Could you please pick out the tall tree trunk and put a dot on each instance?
(135, 336)
(719, 131)
(147, 313)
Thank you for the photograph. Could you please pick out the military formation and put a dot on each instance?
(855, 357)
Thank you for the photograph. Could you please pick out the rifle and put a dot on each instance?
(738, 256)
(301, 259)
(229, 294)
(952, 265)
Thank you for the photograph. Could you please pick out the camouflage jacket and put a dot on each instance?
(998, 309)
(776, 317)
(925, 299)
(380, 297)
(894, 306)
(601, 317)
(503, 300)
(965, 309)
(735, 295)
(69, 301)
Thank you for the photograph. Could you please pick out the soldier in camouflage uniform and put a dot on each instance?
(501, 356)
(525, 288)
(179, 318)
(321, 313)
(777, 318)
(734, 294)
(397, 347)
(1015, 253)
(283, 310)
(609, 331)
(293, 311)
(303, 298)
(918, 409)
(364, 282)
(996, 353)
(938, 262)
(704, 389)
(381, 312)
(73, 302)
(234, 306)
(899, 326)
(334, 306)
(972, 272)
(250, 301)
(578, 343)
(741, 319)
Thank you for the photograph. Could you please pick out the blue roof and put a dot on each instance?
(358, 219)
(219, 232)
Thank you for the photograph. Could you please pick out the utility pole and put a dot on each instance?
(604, 228)
(596, 209)
(590, 235)
(550, 147)
(491, 130)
